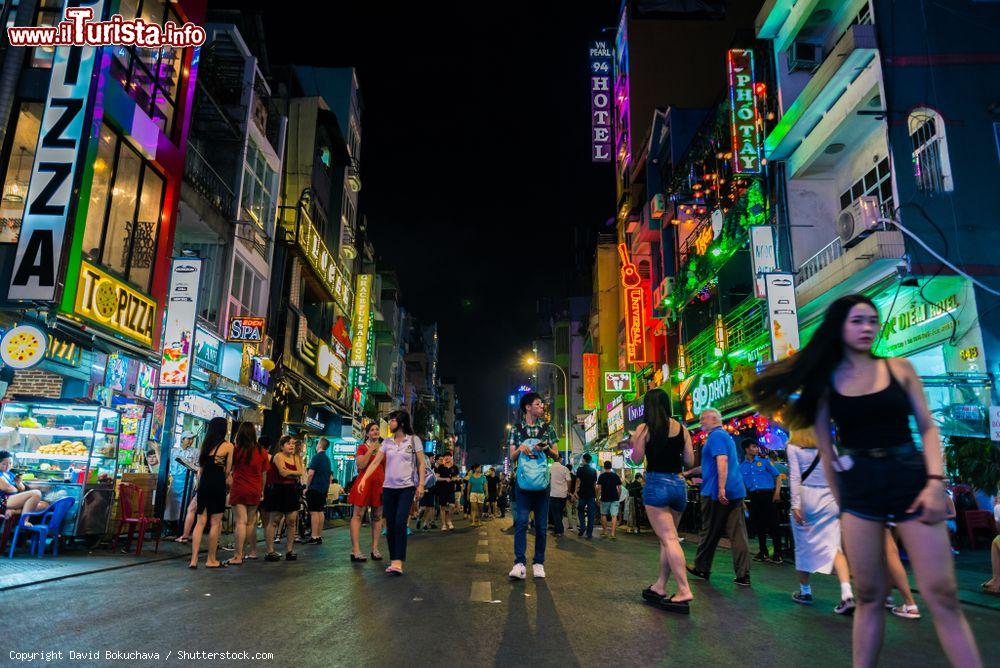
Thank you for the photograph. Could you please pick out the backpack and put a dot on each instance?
(533, 471)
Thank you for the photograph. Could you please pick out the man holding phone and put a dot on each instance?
(532, 438)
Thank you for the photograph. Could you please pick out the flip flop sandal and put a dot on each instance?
(651, 596)
(230, 562)
(393, 571)
(376, 556)
(251, 557)
(680, 607)
(182, 540)
(193, 568)
(222, 564)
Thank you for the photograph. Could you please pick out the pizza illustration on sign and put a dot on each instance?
(23, 346)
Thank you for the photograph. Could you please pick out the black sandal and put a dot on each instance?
(680, 607)
(651, 596)
(356, 559)
(376, 558)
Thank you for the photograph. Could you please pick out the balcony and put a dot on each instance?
(747, 338)
(837, 108)
(203, 177)
(836, 271)
(785, 20)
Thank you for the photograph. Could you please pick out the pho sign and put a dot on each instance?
(744, 114)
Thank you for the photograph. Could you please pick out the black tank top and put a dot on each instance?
(877, 420)
(665, 455)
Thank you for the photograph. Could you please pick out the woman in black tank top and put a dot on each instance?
(837, 384)
(666, 446)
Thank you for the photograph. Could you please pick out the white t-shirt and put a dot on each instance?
(560, 480)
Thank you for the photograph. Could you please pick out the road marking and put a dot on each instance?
(482, 558)
(484, 543)
(481, 592)
(483, 533)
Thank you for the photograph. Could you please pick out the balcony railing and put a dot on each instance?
(200, 174)
(819, 261)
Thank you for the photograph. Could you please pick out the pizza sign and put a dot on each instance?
(107, 301)
(23, 347)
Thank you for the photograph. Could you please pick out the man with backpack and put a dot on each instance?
(531, 444)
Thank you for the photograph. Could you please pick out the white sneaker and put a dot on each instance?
(519, 572)
(538, 570)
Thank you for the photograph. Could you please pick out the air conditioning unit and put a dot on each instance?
(857, 221)
(805, 57)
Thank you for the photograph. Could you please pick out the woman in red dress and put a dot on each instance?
(370, 498)
(250, 462)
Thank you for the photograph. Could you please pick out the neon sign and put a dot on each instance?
(600, 102)
(744, 114)
(618, 381)
(591, 370)
(635, 311)
(362, 322)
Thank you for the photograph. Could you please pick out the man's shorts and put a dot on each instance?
(477, 497)
(428, 499)
(316, 500)
(610, 508)
(445, 496)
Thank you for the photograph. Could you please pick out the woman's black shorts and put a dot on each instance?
(882, 488)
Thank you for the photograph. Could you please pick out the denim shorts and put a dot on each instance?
(665, 490)
(882, 489)
(609, 507)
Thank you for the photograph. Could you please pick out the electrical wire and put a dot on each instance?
(939, 258)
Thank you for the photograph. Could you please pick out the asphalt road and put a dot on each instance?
(454, 607)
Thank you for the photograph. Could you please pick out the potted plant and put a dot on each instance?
(974, 461)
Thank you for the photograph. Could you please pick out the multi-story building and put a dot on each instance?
(312, 296)
(226, 217)
(91, 160)
(886, 157)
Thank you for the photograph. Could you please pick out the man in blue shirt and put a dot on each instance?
(722, 492)
(761, 480)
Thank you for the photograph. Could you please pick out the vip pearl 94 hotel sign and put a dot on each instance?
(600, 101)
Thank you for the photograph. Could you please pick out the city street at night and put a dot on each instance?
(456, 606)
(720, 275)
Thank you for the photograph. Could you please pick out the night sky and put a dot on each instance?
(475, 164)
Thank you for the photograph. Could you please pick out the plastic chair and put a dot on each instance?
(978, 520)
(49, 527)
(132, 513)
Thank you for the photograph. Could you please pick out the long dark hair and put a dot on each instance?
(214, 435)
(656, 414)
(808, 372)
(246, 443)
(402, 419)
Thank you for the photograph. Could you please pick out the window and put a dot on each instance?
(259, 185)
(150, 76)
(247, 293)
(931, 166)
(47, 13)
(19, 163)
(876, 182)
(123, 216)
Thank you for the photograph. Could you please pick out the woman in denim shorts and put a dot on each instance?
(882, 477)
(666, 446)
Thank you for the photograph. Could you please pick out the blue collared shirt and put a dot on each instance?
(759, 474)
(719, 442)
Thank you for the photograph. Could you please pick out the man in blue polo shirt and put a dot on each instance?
(760, 477)
(722, 484)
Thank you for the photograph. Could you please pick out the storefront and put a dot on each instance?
(934, 323)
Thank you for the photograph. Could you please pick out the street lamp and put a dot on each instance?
(532, 361)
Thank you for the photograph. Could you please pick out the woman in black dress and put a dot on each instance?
(836, 381)
(216, 461)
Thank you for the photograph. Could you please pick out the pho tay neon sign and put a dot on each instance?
(635, 309)
(744, 113)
